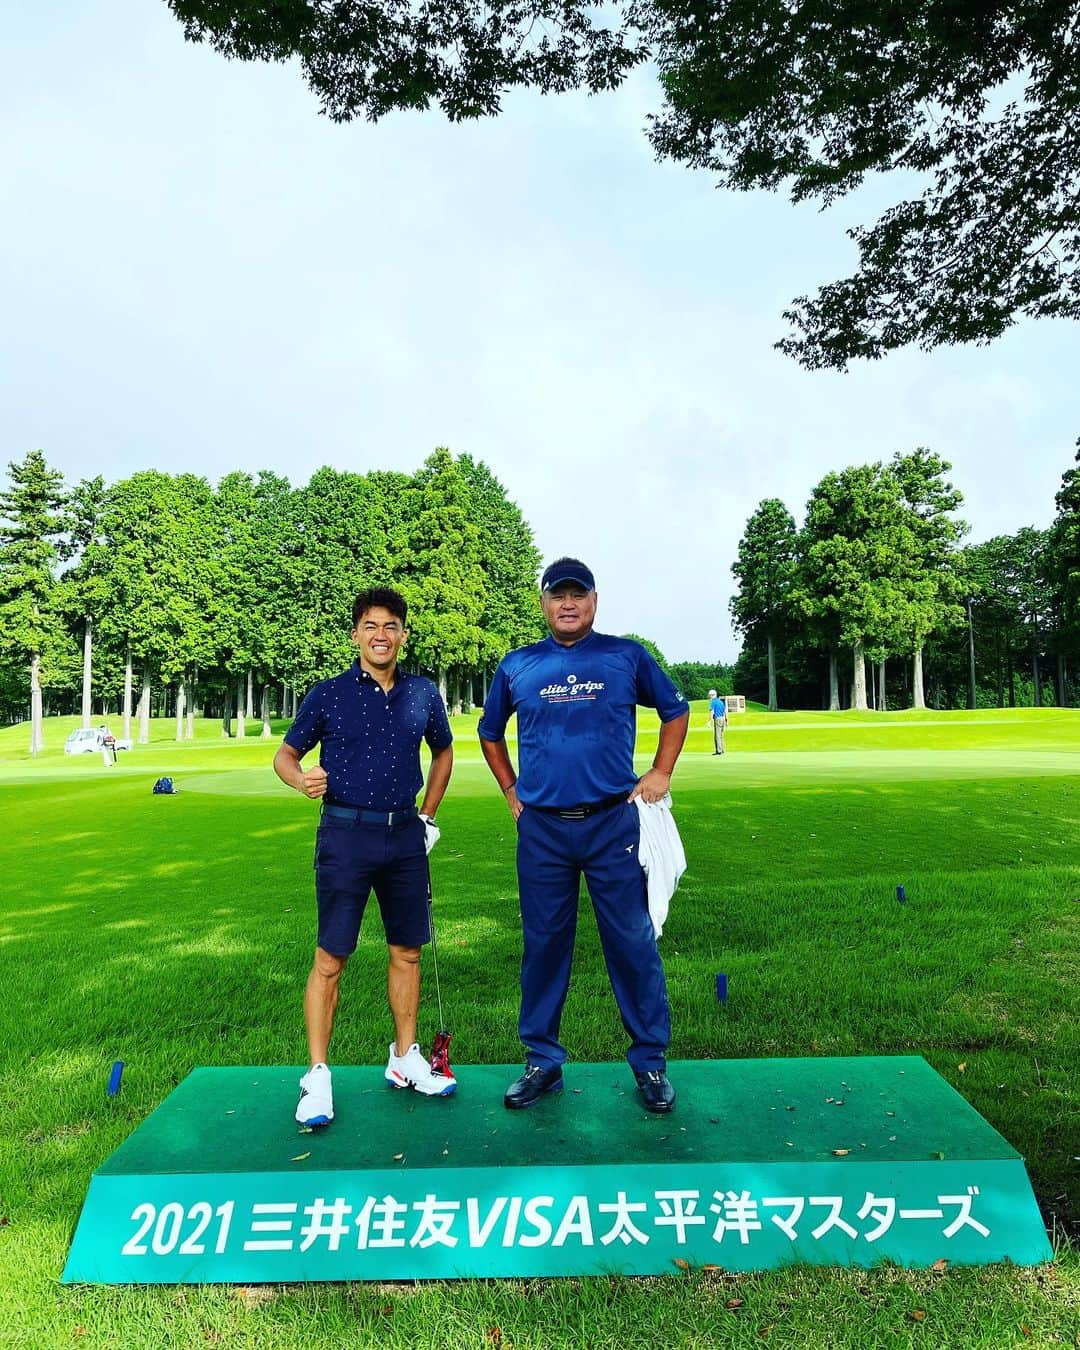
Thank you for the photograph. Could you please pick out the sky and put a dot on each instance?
(200, 273)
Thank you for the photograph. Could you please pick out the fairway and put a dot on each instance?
(175, 932)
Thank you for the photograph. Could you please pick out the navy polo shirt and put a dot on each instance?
(369, 742)
(576, 715)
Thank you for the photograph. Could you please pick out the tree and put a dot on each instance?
(997, 620)
(696, 678)
(161, 561)
(1030, 569)
(765, 570)
(978, 102)
(31, 534)
(851, 564)
(1065, 566)
(930, 585)
(251, 595)
(84, 590)
(819, 97)
(444, 580)
(376, 57)
(340, 533)
(653, 650)
(510, 559)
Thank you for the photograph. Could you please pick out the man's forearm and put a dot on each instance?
(497, 758)
(442, 764)
(288, 769)
(672, 736)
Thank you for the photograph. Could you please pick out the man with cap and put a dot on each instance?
(575, 694)
(718, 717)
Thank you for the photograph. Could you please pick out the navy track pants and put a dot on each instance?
(552, 855)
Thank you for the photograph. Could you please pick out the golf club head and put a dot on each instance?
(440, 1054)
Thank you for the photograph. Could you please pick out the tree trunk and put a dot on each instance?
(87, 669)
(144, 705)
(241, 724)
(773, 705)
(999, 672)
(250, 706)
(180, 698)
(834, 688)
(37, 732)
(128, 681)
(1061, 679)
(264, 710)
(881, 700)
(918, 695)
(226, 716)
(191, 699)
(859, 677)
(440, 680)
(1036, 690)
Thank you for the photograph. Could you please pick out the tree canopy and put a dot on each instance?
(879, 576)
(217, 593)
(976, 106)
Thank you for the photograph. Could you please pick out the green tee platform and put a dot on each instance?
(763, 1163)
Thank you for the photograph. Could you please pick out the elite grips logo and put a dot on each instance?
(572, 691)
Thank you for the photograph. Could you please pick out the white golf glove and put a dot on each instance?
(431, 833)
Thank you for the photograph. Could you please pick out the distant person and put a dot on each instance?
(575, 695)
(107, 741)
(718, 714)
(368, 723)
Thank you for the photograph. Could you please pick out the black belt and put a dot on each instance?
(358, 816)
(582, 810)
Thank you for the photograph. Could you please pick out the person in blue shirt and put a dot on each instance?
(368, 723)
(575, 696)
(718, 714)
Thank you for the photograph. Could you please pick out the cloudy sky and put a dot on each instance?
(198, 272)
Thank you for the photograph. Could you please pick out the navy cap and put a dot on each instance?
(568, 569)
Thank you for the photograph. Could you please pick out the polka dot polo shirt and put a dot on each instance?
(369, 742)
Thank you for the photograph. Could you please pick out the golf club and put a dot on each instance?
(440, 1046)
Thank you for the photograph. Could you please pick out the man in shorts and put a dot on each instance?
(368, 723)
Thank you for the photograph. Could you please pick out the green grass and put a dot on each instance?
(174, 932)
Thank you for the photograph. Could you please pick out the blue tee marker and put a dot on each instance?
(721, 988)
(114, 1078)
(901, 895)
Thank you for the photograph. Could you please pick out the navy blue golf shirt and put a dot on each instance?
(369, 742)
(576, 715)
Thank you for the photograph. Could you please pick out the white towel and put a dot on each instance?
(661, 854)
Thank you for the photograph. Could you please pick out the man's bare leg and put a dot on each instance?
(403, 994)
(320, 1002)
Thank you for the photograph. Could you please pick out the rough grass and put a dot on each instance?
(173, 932)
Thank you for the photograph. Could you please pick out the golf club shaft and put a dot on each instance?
(434, 953)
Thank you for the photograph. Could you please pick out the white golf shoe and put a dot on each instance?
(316, 1104)
(412, 1070)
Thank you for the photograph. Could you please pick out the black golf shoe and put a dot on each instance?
(658, 1093)
(531, 1086)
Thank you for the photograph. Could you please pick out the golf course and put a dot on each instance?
(171, 932)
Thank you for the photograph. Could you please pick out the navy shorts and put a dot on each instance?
(351, 860)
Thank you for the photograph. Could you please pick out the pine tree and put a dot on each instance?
(31, 538)
(765, 570)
